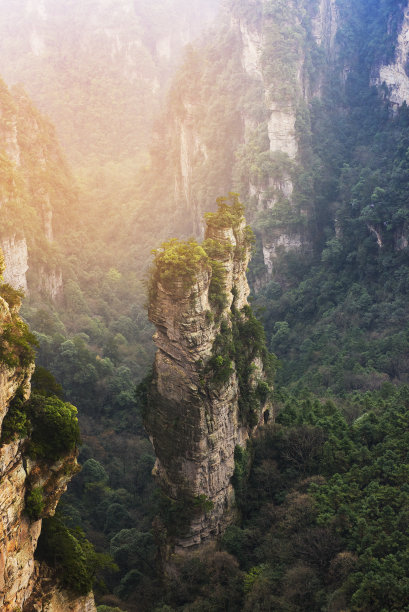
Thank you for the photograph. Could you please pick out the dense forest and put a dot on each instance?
(322, 491)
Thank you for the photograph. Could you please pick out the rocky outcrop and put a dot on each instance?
(276, 243)
(29, 197)
(396, 75)
(324, 23)
(192, 152)
(19, 475)
(252, 48)
(285, 85)
(47, 597)
(15, 253)
(51, 283)
(18, 533)
(195, 416)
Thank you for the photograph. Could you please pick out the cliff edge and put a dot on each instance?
(38, 440)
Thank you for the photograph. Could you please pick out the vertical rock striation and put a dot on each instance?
(396, 74)
(15, 253)
(36, 193)
(277, 51)
(205, 395)
(238, 114)
(20, 474)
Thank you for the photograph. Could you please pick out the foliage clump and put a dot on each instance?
(328, 486)
(51, 425)
(239, 343)
(44, 383)
(178, 260)
(217, 252)
(12, 296)
(71, 555)
(242, 465)
(177, 515)
(230, 212)
(55, 428)
(16, 424)
(35, 503)
(181, 261)
(17, 342)
(217, 289)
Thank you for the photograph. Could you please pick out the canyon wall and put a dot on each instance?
(235, 117)
(36, 194)
(23, 473)
(74, 58)
(395, 75)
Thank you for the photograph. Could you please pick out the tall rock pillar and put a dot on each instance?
(210, 387)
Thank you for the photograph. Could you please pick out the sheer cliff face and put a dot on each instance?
(35, 185)
(193, 419)
(277, 52)
(20, 574)
(235, 114)
(396, 75)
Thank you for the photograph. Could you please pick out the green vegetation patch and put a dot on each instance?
(72, 556)
(181, 261)
(177, 515)
(230, 212)
(325, 505)
(178, 260)
(16, 424)
(242, 465)
(35, 503)
(16, 341)
(55, 429)
(239, 342)
(51, 425)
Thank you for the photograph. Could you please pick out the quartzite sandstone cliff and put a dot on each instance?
(195, 417)
(36, 195)
(24, 583)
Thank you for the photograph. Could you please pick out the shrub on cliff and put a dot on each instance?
(16, 423)
(44, 383)
(10, 294)
(227, 215)
(178, 260)
(55, 427)
(17, 344)
(35, 503)
(51, 424)
(16, 341)
(71, 555)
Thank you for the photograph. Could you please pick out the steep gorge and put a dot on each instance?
(269, 188)
(73, 59)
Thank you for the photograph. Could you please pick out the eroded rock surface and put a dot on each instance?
(395, 75)
(194, 419)
(20, 575)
